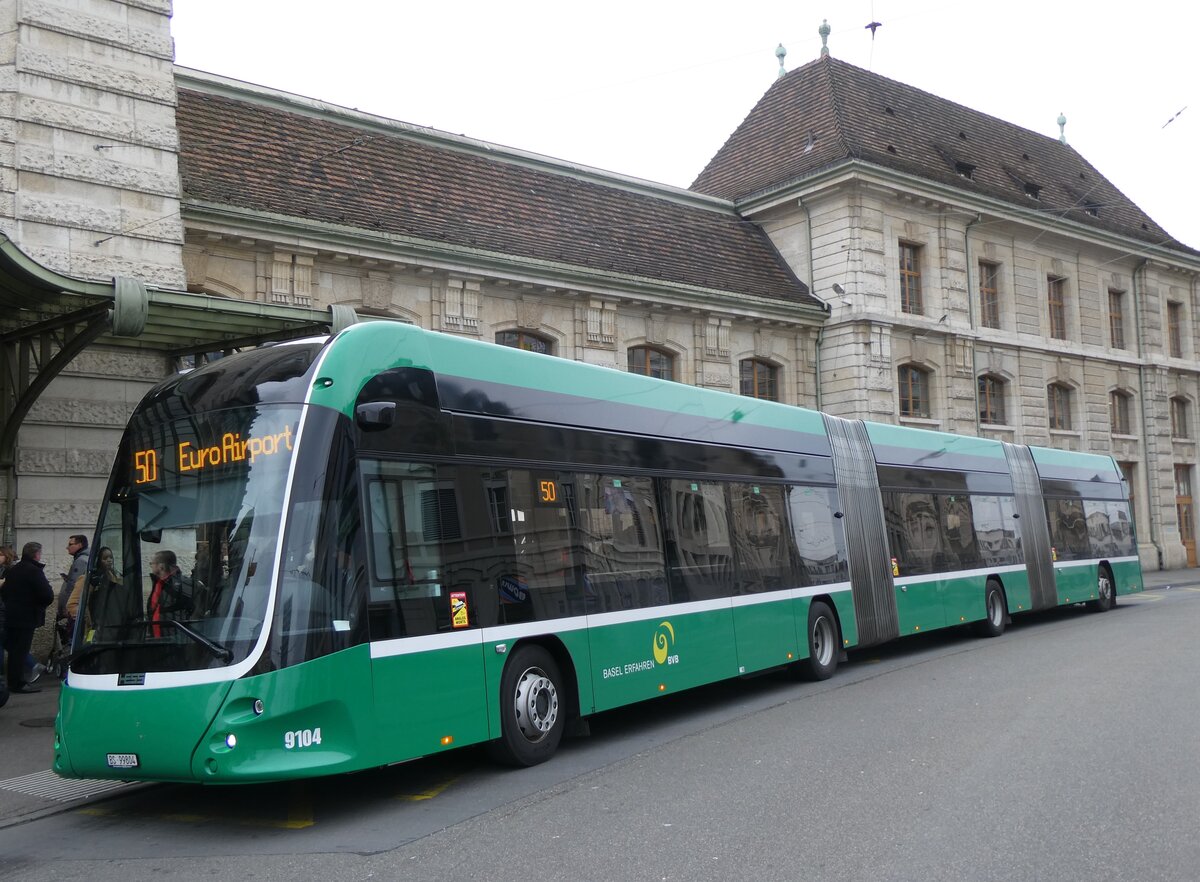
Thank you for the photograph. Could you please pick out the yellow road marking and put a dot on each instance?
(299, 814)
(1125, 597)
(431, 793)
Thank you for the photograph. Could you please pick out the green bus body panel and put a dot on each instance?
(161, 726)
(1128, 576)
(634, 661)
(941, 603)
(423, 697)
(843, 604)
(1018, 594)
(766, 635)
(332, 693)
(919, 607)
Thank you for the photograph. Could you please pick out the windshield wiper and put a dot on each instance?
(92, 649)
(221, 652)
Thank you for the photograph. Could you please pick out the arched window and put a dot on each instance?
(1181, 418)
(1118, 412)
(759, 379)
(991, 400)
(1058, 406)
(913, 384)
(525, 340)
(651, 362)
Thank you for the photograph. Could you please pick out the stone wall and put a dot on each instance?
(598, 327)
(89, 182)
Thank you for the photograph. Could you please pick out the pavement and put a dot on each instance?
(30, 790)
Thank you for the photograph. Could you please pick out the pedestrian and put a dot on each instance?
(76, 547)
(8, 557)
(26, 594)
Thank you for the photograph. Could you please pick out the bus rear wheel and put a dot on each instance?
(1106, 592)
(823, 646)
(994, 611)
(532, 709)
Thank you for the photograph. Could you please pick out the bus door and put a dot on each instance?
(764, 620)
(426, 646)
(915, 538)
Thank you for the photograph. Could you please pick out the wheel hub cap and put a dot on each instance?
(536, 704)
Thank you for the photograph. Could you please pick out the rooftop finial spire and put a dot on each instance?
(824, 30)
(1062, 128)
(781, 54)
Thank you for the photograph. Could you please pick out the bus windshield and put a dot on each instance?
(180, 577)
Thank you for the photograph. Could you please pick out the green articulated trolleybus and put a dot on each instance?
(335, 554)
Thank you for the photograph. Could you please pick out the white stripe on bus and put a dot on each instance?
(504, 633)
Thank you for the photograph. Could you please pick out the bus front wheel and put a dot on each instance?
(532, 709)
(823, 648)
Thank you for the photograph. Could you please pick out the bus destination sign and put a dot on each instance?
(191, 457)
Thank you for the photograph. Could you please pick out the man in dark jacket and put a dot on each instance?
(170, 594)
(25, 594)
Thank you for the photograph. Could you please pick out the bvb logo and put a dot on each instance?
(664, 639)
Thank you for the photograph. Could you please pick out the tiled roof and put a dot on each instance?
(262, 156)
(828, 112)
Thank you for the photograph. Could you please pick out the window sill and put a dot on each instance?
(1066, 433)
(1124, 437)
(920, 422)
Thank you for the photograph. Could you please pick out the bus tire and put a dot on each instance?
(1106, 592)
(994, 611)
(823, 644)
(532, 708)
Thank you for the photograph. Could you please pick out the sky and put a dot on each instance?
(653, 88)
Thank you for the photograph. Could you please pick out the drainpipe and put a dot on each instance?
(812, 286)
(971, 314)
(1137, 320)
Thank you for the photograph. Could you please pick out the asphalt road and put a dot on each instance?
(1068, 749)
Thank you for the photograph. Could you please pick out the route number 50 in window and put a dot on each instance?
(301, 738)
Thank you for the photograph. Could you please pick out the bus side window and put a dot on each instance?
(621, 547)
(961, 547)
(1068, 528)
(994, 531)
(699, 548)
(1099, 528)
(820, 540)
(542, 582)
(1121, 524)
(765, 548)
(914, 531)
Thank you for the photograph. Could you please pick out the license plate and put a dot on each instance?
(122, 761)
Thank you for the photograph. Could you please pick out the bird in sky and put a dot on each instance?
(1175, 117)
(872, 27)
